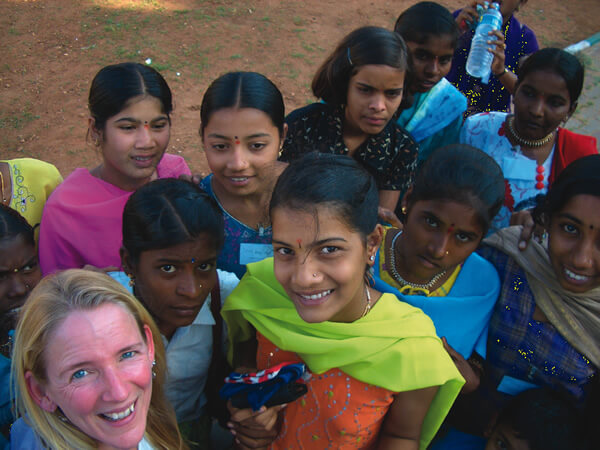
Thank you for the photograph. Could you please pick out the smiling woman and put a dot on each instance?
(89, 367)
(312, 303)
(129, 123)
(530, 146)
(544, 330)
(361, 84)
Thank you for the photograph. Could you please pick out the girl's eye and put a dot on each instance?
(445, 60)
(284, 251)
(219, 146)
(329, 249)
(393, 94)
(257, 145)
(569, 228)
(80, 374)
(501, 444)
(29, 268)
(159, 125)
(168, 268)
(431, 222)
(462, 237)
(205, 267)
(127, 127)
(363, 89)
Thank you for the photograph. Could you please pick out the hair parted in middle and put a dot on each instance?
(363, 46)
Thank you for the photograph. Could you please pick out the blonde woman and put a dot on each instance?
(89, 366)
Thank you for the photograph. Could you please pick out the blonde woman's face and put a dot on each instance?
(99, 371)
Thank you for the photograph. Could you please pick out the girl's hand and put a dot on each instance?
(498, 63)
(196, 178)
(388, 216)
(472, 378)
(468, 15)
(254, 429)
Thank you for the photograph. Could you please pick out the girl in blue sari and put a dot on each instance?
(430, 262)
(432, 110)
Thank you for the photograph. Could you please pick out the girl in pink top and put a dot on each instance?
(129, 122)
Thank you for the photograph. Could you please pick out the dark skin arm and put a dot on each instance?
(471, 375)
(402, 425)
(254, 429)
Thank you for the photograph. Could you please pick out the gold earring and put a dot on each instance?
(403, 209)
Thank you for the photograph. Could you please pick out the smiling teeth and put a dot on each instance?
(316, 296)
(121, 415)
(575, 276)
(142, 158)
(239, 179)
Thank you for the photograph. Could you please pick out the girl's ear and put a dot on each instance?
(38, 393)
(406, 199)
(373, 242)
(126, 261)
(94, 132)
(571, 111)
(284, 134)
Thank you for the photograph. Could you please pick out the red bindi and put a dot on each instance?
(450, 229)
(146, 126)
(237, 141)
(299, 243)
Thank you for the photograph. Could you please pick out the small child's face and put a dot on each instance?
(509, 7)
(504, 438)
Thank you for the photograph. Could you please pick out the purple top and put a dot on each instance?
(83, 219)
(520, 41)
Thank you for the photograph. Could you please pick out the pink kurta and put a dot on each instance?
(83, 219)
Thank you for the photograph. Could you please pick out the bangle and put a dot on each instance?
(501, 74)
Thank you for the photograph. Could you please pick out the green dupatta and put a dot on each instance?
(394, 346)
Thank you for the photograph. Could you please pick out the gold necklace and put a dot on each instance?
(534, 143)
(401, 281)
(368, 305)
(2, 186)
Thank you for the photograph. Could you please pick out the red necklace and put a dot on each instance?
(539, 177)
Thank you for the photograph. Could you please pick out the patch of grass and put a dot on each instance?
(236, 56)
(297, 55)
(298, 21)
(18, 121)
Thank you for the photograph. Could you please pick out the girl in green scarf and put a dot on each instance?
(380, 376)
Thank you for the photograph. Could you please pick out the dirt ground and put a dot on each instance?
(50, 51)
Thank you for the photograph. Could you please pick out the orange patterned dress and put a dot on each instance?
(337, 412)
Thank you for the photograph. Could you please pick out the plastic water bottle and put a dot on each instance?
(479, 62)
(480, 10)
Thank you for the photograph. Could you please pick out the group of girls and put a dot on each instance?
(398, 326)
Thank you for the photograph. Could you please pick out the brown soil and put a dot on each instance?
(52, 49)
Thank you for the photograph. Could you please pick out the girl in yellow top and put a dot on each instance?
(26, 184)
(380, 376)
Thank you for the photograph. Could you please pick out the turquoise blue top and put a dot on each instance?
(463, 315)
(435, 117)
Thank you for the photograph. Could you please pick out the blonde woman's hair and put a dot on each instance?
(48, 305)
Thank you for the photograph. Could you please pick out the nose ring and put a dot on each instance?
(27, 286)
(447, 252)
(314, 275)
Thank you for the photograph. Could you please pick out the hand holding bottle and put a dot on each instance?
(498, 63)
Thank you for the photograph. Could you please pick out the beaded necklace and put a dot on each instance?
(534, 145)
(401, 281)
